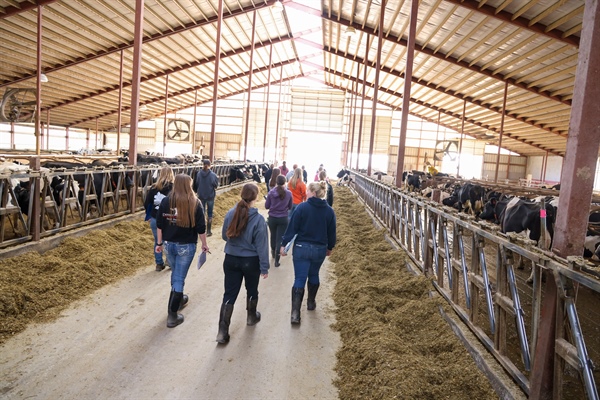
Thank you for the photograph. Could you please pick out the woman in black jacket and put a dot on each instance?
(180, 220)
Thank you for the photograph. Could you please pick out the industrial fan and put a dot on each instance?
(445, 148)
(178, 130)
(18, 105)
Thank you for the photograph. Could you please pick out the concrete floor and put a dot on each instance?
(115, 345)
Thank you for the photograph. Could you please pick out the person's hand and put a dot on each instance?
(282, 251)
(158, 249)
(328, 253)
(205, 248)
(264, 276)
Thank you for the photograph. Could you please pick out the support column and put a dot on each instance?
(410, 55)
(267, 106)
(251, 68)
(577, 180)
(119, 113)
(135, 86)
(216, 81)
(376, 85)
(194, 122)
(362, 104)
(501, 129)
(164, 152)
(38, 85)
(462, 134)
(278, 114)
(349, 164)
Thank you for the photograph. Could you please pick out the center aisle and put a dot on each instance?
(115, 343)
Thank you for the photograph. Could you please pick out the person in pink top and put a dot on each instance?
(283, 169)
(297, 186)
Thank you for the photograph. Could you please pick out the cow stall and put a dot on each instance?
(472, 266)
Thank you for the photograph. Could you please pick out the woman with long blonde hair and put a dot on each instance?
(180, 220)
(246, 258)
(297, 186)
(157, 192)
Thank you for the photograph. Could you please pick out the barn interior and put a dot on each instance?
(498, 91)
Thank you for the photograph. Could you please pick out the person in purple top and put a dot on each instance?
(279, 202)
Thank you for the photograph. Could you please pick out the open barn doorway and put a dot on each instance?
(312, 149)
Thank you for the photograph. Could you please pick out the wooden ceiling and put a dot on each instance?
(466, 54)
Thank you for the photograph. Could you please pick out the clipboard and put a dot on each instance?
(288, 246)
(201, 259)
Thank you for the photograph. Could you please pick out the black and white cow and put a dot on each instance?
(470, 198)
(343, 177)
(236, 174)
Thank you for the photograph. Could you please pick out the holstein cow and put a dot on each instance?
(523, 216)
(236, 174)
(343, 177)
(470, 197)
(494, 210)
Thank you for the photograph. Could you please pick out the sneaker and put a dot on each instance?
(160, 267)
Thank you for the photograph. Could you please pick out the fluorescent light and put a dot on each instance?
(350, 31)
(43, 78)
(278, 5)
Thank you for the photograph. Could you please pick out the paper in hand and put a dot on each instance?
(288, 246)
(201, 259)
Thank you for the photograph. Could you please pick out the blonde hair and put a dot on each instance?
(297, 177)
(165, 177)
(240, 215)
(318, 188)
(183, 198)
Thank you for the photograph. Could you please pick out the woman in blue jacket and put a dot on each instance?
(313, 227)
(246, 258)
(154, 197)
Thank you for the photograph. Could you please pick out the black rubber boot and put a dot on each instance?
(209, 227)
(224, 321)
(277, 264)
(311, 304)
(184, 302)
(253, 315)
(297, 296)
(174, 318)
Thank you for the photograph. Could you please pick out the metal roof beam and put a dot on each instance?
(463, 64)
(23, 7)
(161, 35)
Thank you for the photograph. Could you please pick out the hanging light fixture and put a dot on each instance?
(43, 78)
(278, 5)
(350, 31)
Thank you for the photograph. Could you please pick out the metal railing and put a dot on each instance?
(88, 196)
(472, 265)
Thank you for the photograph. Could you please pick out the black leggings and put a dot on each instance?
(237, 269)
(277, 226)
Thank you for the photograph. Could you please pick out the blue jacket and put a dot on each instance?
(208, 182)
(253, 240)
(314, 222)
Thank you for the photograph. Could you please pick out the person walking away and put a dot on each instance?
(283, 169)
(313, 225)
(318, 172)
(323, 177)
(279, 203)
(289, 175)
(304, 175)
(158, 191)
(298, 189)
(208, 182)
(273, 180)
(180, 220)
(267, 176)
(246, 258)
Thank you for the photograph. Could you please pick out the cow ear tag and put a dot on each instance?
(542, 213)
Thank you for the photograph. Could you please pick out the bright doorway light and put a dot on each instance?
(313, 149)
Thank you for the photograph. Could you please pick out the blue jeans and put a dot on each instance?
(237, 269)
(210, 205)
(158, 257)
(308, 259)
(180, 256)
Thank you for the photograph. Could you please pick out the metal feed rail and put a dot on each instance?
(121, 189)
(473, 269)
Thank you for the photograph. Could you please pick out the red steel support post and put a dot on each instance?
(213, 126)
(577, 180)
(278, 113)
(120, 112)
(501, 129)
(38, 85)
(362, 104)
(376, 86)
(267, 107)
(164, 152)
(250, 68)
(410, 56)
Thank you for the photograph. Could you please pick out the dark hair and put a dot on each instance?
(280, 189)
(240, 215)
(276, 172)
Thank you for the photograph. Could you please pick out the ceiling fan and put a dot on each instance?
(178, 130)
